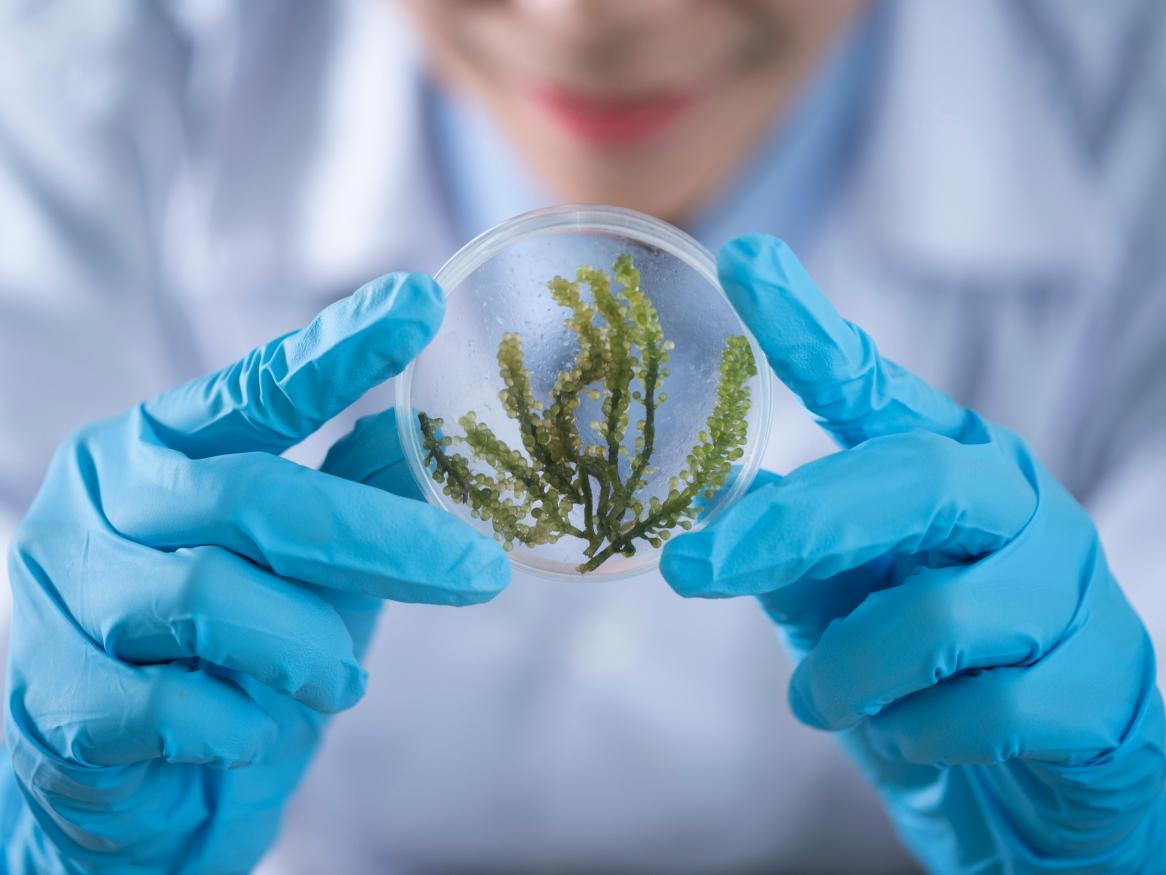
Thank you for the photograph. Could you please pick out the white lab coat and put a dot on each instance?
(179, 182)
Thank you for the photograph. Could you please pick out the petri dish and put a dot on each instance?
(498, 286)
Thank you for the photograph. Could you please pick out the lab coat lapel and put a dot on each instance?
(955, 181)
(959, 206)
(289, 228)
(377, 204)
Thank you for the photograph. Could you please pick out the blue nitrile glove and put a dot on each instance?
(189, 605)
(950, 605)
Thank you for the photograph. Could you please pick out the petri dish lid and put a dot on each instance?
(497, 285)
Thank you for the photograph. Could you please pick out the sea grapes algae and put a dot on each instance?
(587, 484)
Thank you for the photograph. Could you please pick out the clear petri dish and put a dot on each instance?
(498, 286)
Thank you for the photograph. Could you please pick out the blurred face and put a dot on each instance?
(648, 104)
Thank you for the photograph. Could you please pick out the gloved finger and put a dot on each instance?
(303, 524)
(69, 695)
(805, 608)
(281, 392)
(120, 714)
(1006, 713)
(372, 454)
(181, 716)
(1089, 692)
(831, 364)
(937, 623)
(210, 604)
(907, 493)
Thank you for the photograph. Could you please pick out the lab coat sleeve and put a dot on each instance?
(91, 126)
(1123, 437)
(1112, 75)
(1129, 419)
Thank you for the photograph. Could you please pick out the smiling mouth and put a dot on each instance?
(605, 120)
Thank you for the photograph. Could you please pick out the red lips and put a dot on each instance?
(612, 121)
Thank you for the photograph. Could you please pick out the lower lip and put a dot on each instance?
(614, 121)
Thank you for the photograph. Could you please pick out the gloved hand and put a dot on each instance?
(950, 604)
(188, 605)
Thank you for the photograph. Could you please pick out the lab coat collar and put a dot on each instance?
(377, 204)
(969, 167)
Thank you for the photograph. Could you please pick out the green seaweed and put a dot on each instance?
(558, 484)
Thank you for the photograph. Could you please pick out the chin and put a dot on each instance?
(652, 176)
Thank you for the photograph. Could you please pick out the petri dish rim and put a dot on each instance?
(584, 218)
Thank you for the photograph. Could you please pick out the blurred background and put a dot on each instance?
(981, 186)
